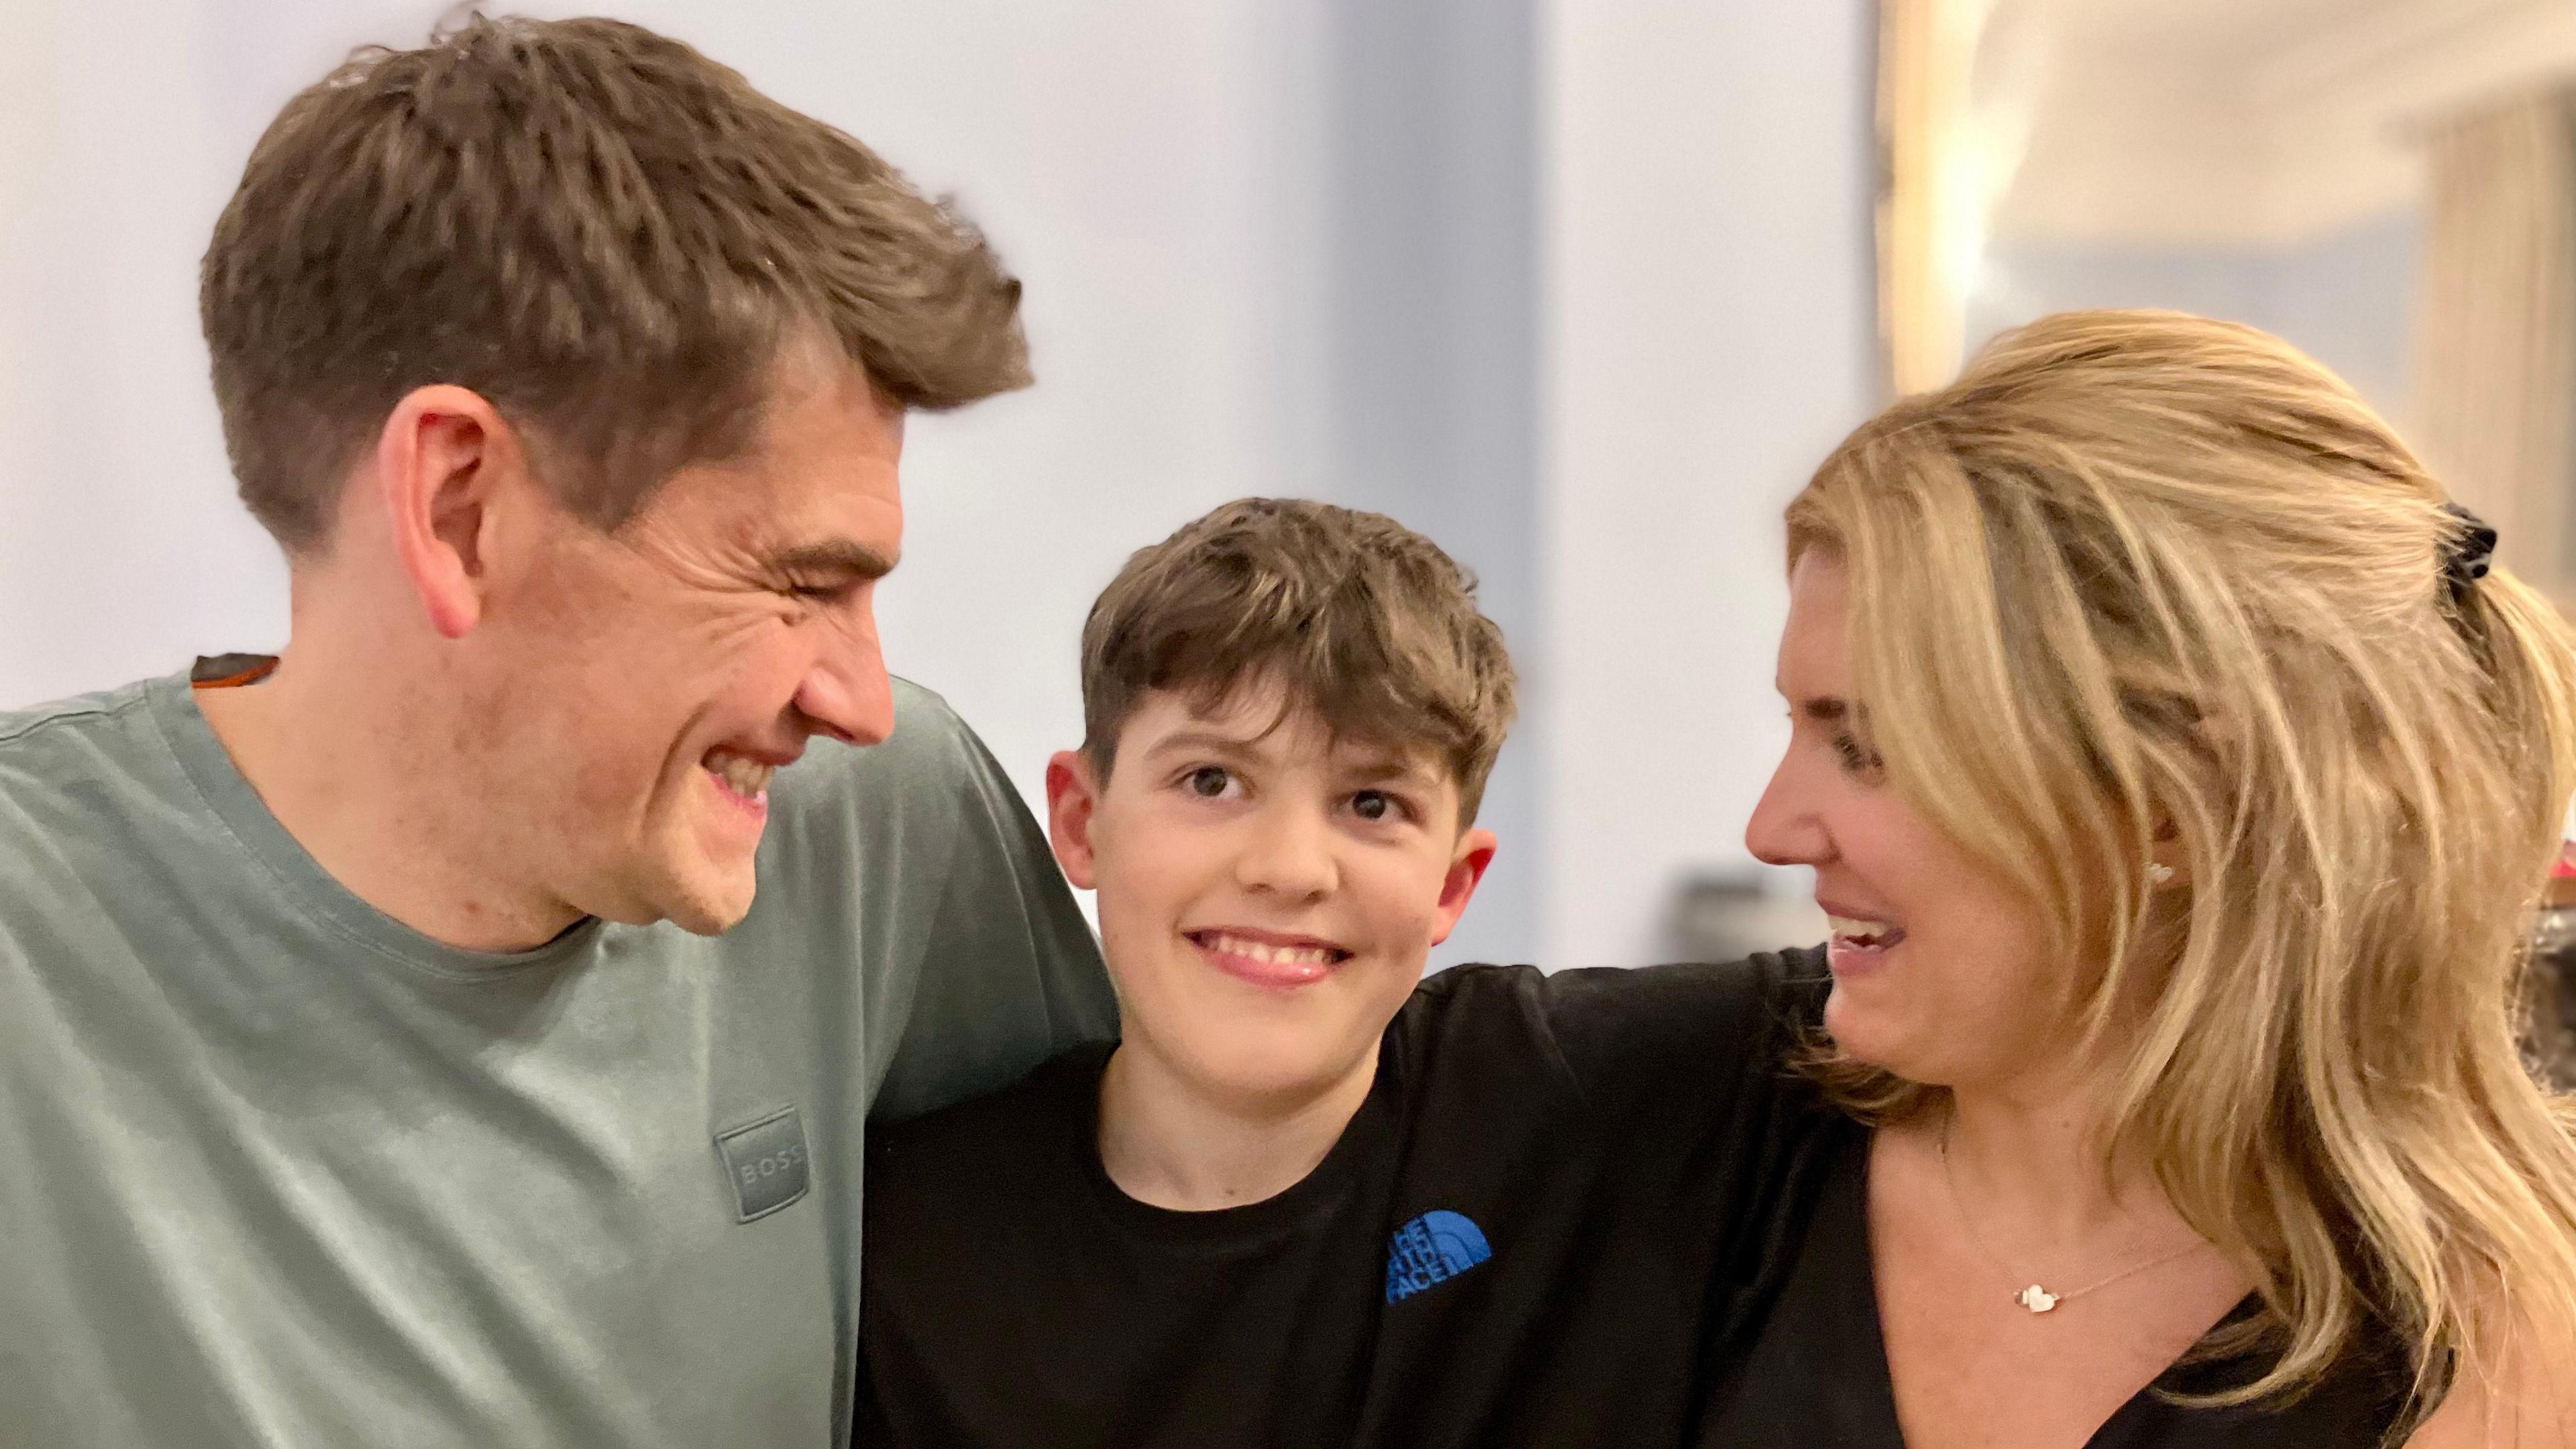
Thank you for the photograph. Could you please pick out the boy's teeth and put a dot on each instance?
(1265, 952)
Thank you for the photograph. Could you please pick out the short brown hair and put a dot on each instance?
(1363, 620)
(601, 231)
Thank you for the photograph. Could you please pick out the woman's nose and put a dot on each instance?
(1785, 828)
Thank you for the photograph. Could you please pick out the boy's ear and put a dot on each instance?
(1072, 794)
(1466, 869)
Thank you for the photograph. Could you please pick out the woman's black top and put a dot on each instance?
(1814, 1372)
(1593, 1208)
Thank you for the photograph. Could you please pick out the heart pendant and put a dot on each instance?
(2036, 1299)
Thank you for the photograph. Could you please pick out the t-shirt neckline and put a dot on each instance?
(1309, 1200)
(300, 879)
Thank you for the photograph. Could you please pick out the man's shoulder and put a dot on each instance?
(87, 793)
(929, 741)
(60, 761)
(910, 790)
(41, 734)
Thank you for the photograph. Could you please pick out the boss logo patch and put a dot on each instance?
(767, 1163)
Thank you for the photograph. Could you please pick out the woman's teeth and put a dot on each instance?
(1861, 933)
(1252, 950)
(746, 777)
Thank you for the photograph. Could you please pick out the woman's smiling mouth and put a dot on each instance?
(1860, 943)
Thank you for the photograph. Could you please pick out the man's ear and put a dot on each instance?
(1466, 869)
(442, 457)
(1073, 793)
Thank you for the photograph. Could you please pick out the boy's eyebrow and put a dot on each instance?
(1381, 768)
(1202, 739)
(1394, 768)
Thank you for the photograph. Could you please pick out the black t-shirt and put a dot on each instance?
(1592, 1208)
(1511, 1244)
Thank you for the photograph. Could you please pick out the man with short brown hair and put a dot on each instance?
(392, 1049)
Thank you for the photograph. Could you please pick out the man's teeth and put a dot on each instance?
(1252, 950)
(742, 775)
(1849, 929)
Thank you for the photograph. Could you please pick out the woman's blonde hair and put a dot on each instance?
(2140, 575)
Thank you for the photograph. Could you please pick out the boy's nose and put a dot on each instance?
(1290, 855)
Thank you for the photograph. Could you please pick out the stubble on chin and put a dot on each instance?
(700, 895)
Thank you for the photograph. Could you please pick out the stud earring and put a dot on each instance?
(2159, 873)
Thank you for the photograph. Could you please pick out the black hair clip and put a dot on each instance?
(2467, 554)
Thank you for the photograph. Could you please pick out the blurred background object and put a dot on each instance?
(2389, 184)
(1727, 915)
(2552, 983)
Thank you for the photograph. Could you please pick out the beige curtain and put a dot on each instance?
(2496, 387)
(1926, 225)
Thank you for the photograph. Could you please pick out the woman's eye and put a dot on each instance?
(1207, 781)
(1856, 757)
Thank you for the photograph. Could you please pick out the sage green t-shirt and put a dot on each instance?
(276, 1170)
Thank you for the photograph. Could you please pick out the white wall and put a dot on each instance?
(121, 548)
(1152, 168)
(1709, 339)
(1271, 246)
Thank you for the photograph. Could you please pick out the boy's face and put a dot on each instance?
(1267, 901)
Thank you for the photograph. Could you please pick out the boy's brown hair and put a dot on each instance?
(1361, 619)
(602, 232)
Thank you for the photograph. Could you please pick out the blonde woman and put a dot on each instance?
(2180, 779)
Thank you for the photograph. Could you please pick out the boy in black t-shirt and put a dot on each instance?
(1313, 1199)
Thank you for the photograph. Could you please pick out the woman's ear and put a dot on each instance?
(2168, 863)
(1073, 792)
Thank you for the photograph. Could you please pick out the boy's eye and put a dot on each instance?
(1208, 782)
(1376, 805)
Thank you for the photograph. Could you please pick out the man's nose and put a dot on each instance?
(1290, 854)
(846, 693)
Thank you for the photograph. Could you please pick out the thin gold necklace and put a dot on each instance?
(2034, 1297)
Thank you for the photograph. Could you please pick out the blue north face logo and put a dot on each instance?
(1430, 1249)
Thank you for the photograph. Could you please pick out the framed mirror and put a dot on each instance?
(2390, 185)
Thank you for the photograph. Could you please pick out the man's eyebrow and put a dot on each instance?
(847, 558)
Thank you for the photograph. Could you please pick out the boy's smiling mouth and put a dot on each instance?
(1269, 959)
